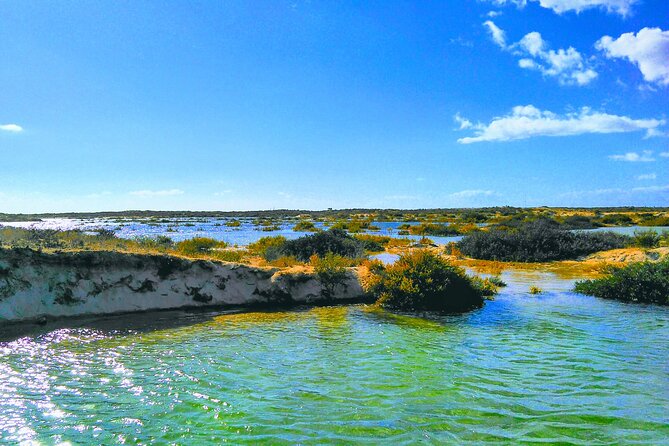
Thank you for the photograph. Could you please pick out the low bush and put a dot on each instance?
(198, 245)
(355, 226)
(617, 220)
(335, 241)
(645, 282)
(538, 241)
(434, 229)
(580, 222)
(423, 281)
(263, 244)
(228, 255)
(655, 221)
(305, 226)
(233, 223)
(373, 243)
(646, 239)
(331, 271)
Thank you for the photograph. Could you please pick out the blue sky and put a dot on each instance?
(242, 105)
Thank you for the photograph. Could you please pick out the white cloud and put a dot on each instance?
(568, 66)
(157, 193)
(469, 193)
(462, 122)
(13, 128)
(647, 176)
(651, 189)
(664, 154)
(648, 49)
(498, 36)
(622, 7)
(633, 157)
(528, 121)
(98, 194)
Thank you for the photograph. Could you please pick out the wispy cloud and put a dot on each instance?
(621, 7)
(568, 66)
(157, 193)
(647, 176)
(528, 121)
(664, 154)
(496, 34)
(12, 128)
(98, 194)
(469, 193)
(648, 50)
(618, 191)
(634, 157)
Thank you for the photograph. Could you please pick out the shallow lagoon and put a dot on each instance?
(181, 229)
(558, 367)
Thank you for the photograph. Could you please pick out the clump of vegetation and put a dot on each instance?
(305, 226)
(335, 241)
(199, 245)
(535, 290)
(423, 281)
(645, 282)
(617, 220)
(434, 229)
(646, 239)
(331, 271)
(580, 222)
(233, 223)
(378, 243)
(655, 220)
(538, 241)
(355, 225)
(497, 281)
(262, 245)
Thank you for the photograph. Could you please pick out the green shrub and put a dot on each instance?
(580, 222)
(537, 241)
(198, 245)
(434, 229)
(617, 220)
(497, 281)
(646, 239)
(228, 255)
(645, 282)
(263, 244)
(334, 241)
(655, 221)
(233, 223)
(422, 281)
(160, 243)
(331, 271)
(373, 243)
(305, 226)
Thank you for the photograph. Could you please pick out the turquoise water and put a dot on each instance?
(556, 368)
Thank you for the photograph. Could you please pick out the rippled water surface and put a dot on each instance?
(181, 229)
(557, 368)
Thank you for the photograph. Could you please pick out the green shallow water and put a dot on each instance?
(558, 368)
